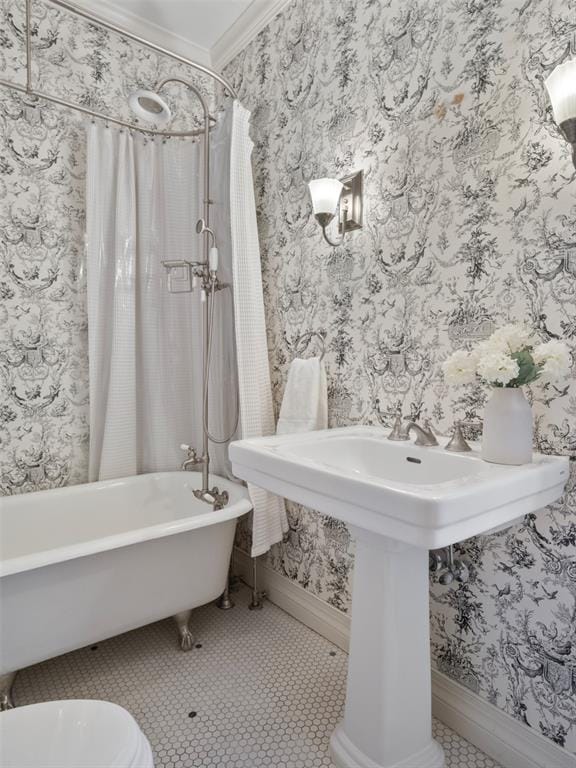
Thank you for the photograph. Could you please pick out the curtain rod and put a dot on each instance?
(99, 115)
(30, 91)
(142, 41)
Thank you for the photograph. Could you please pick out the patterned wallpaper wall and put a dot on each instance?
(43, 334)
(470, 223)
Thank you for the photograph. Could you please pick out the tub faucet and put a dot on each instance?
(192, 459)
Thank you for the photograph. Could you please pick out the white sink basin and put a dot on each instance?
(399, 500)
(427, 497)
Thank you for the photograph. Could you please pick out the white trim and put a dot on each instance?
(109, 11)
(298, 602)
(493, 731)
(252, 21)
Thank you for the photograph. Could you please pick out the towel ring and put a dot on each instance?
(305, 340)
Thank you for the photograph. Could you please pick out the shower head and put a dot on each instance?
(149, 106)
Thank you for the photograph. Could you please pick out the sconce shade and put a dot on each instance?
(325, 195)
(561, 86)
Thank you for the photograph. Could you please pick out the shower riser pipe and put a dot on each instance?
(206, 313)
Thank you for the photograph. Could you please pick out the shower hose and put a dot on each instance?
(210, 334)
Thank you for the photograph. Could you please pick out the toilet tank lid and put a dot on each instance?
(72, 733)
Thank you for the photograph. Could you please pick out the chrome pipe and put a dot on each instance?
(208, 294)
(209, 299)
(142, 41)
(256, 602)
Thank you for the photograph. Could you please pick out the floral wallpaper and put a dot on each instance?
(43, 333)
(470, 223)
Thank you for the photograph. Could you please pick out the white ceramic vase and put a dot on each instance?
(508, 426)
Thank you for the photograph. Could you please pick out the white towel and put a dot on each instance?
(305, 403)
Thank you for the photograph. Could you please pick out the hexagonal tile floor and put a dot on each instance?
(259, 690)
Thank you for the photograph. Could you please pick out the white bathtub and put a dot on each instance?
(80, 564)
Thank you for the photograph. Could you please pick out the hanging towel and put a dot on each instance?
(305, 403)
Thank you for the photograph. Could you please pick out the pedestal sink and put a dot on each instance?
(399, 500)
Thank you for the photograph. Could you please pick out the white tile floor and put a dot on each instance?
(260, 691)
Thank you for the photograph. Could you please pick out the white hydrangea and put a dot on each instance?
(554, 357)
(497, 367)
(512, 338)
(511, 354)
(460, 367)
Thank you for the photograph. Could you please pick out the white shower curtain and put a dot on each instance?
(145, 343)
(256, 408)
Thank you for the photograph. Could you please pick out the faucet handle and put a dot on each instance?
(398, 431)
(457, 443)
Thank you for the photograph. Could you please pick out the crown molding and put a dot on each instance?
(257, 16)
(131, 22)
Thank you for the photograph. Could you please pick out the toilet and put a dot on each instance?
(72, 734)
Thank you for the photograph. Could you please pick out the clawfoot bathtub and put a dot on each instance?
(84, 563)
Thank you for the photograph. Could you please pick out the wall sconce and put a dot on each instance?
(561, 86)
(341, 198)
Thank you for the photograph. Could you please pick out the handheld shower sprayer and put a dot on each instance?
(202, 228)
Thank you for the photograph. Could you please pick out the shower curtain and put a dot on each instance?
(145, 343)
(256, 407)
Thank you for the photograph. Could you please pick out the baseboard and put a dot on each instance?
(298, 602)
(496, 733)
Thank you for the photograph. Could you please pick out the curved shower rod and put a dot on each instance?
(97, 20)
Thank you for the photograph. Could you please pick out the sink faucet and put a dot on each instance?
(401, 431)
(424, 435)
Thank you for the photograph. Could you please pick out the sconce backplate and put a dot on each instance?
(568, 130)
(352, 197)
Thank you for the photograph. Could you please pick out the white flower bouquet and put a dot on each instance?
(511, 357)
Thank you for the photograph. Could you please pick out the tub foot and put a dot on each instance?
(6, 683)
(182, 620)
(225, 602)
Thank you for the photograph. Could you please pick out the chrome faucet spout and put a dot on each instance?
(192, 459)
(424, 435)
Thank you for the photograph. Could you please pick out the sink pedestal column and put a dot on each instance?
(388, 716)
